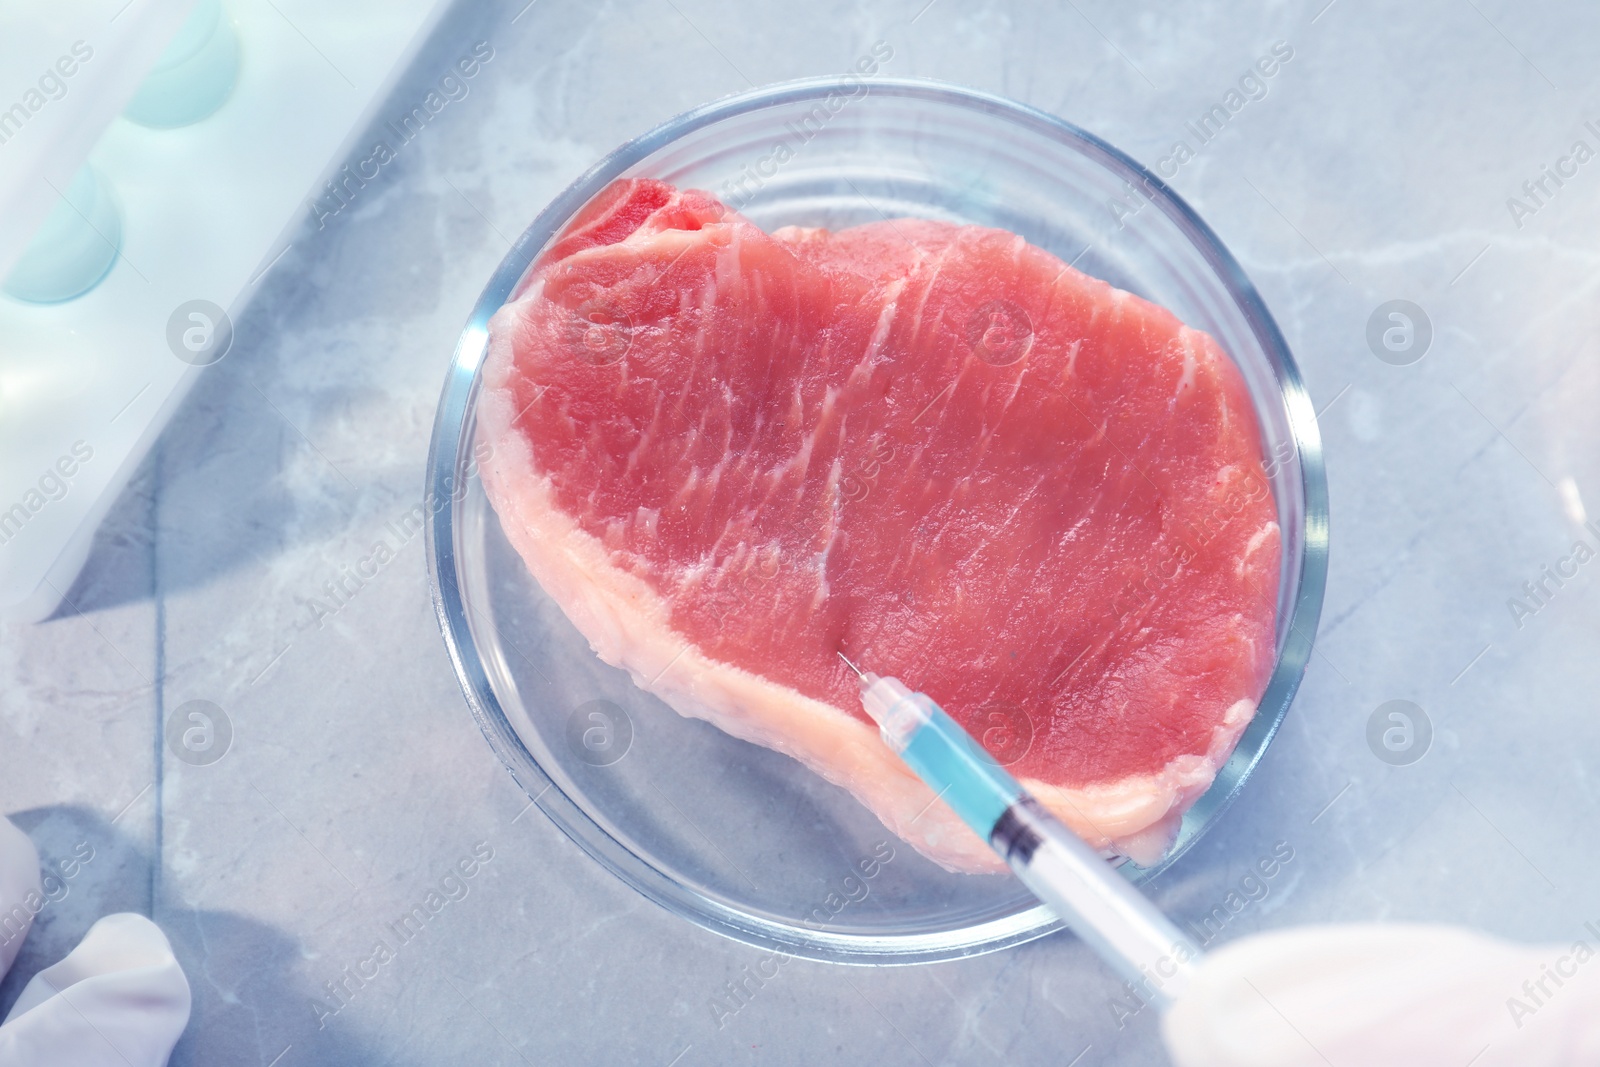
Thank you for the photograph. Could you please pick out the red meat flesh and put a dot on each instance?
(1033, 496)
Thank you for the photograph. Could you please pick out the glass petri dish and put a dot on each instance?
(740, 839)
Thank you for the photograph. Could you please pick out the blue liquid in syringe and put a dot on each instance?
(969, 780)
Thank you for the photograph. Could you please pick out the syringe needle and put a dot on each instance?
(852, 666)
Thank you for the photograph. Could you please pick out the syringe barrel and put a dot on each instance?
(1077, 883)
(963, 775)
(1099, 904)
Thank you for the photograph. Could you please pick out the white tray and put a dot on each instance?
(206, 210)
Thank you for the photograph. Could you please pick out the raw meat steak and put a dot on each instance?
(729, 454)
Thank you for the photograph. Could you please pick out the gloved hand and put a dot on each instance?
(21, 895)
(1379, 995)
(118, 1000)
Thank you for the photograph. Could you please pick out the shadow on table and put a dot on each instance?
(250, 1004)
(215, 493)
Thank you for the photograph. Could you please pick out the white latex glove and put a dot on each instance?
(118, 1000)
(21, 895)
(1390, 996)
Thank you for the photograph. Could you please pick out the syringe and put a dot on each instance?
(1077, 884)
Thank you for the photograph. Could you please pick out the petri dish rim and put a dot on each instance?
(447, 460)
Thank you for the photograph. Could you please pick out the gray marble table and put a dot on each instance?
(1385, 160)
